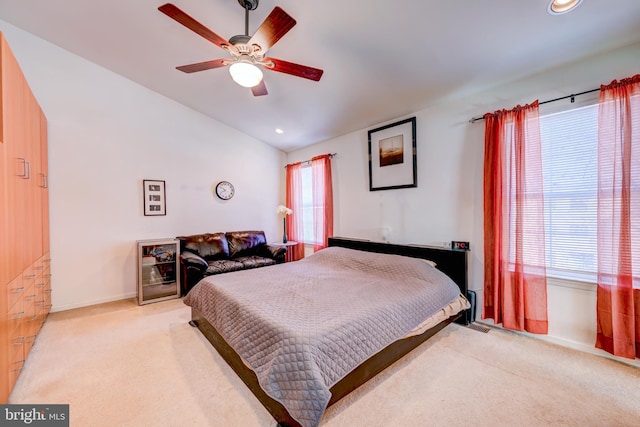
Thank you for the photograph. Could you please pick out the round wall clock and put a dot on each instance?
(225, 190)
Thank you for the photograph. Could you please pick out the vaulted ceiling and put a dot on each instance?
(381, 59)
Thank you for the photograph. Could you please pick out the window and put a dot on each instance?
(307, 205)
(570, 173)
(310, 195)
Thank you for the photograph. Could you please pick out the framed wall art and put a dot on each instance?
(392, 156)
(154, 197)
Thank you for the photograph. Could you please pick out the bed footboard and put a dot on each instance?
(360, 375)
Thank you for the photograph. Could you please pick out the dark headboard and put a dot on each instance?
(452, 262)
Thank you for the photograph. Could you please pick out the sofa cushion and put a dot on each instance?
(246, 243)
(210, 246)
(223, 266)
(254, 261)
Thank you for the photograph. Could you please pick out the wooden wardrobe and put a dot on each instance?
(25, 296)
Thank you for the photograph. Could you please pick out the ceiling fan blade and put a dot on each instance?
(175, 13)
(201, 66)
(277, 24)
(260, 89)
(294, 69)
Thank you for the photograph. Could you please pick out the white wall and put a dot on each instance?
(447, 204)
(107, 134)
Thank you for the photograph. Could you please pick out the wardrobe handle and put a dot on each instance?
(25, 168)
(45, 181)
(19, 316)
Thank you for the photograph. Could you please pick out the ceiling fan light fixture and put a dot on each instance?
(245, 73)
(558, 7)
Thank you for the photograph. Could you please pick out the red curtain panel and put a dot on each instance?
(294, 202)
(618, 295)
(515, 287)
(322, 200)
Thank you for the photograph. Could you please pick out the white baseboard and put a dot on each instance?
(569, 344)
(93, 302)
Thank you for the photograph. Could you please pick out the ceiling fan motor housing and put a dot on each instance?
(239, 39)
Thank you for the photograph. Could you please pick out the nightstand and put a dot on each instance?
(289, 256)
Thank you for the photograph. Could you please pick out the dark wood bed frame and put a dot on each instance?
(451, 262)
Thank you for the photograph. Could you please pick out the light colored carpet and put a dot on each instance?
(120, 364)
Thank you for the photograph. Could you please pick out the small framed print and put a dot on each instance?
(462, 246)
(154, 197)
(392, 156)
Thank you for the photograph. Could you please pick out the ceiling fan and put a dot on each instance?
(247, 53)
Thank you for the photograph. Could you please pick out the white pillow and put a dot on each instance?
(428, 261)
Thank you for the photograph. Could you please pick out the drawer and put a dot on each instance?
(16, 348)
(46, 299)
(38, 266)
(29, 276)
(14, 372)
(29, 299)
(15, 291)
(15, 316)
(46, 263)
(17, 355)
(39, 288)
(46, 304)
(29, 340)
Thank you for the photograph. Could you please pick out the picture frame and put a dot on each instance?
(392, 156)
(154, 197)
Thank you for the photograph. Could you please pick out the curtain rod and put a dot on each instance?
(572, 96)
(332, 155)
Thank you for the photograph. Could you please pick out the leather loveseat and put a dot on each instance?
(215, 253)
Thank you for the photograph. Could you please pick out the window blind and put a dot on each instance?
(570, 174)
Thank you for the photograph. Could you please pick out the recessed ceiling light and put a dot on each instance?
(558, 7)
(278, 130)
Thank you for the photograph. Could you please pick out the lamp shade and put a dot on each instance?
(558, 7)
(245, 74)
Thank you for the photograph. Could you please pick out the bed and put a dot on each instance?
(303, 335)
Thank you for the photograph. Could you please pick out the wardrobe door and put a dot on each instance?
(44, 183)
(18, 170)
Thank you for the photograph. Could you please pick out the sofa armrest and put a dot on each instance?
(277, 252)
(189, 259)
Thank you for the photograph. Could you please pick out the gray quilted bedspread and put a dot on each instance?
(302, 326)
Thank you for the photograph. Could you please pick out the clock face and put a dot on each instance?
(224, 190)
